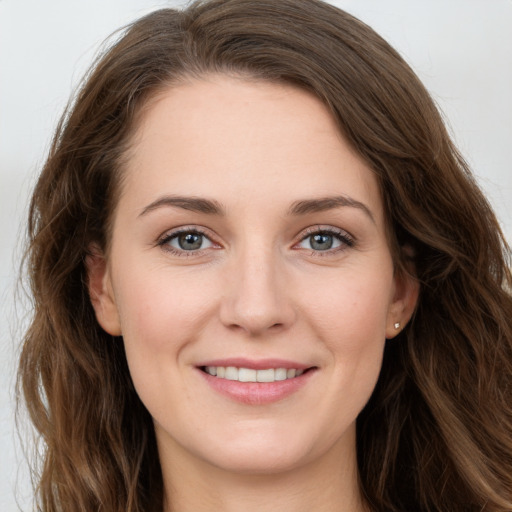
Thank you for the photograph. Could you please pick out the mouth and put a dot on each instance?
(256, 381)
(265, 375)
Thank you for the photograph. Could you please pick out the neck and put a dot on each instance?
(325, 485)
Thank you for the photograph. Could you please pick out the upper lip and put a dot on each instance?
(255, 364)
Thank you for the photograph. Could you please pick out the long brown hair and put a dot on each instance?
(437, 433)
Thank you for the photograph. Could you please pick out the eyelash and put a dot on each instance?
(345, 239)
(164, 241)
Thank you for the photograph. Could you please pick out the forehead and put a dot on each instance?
(239, 140)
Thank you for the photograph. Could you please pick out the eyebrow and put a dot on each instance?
(212, 207)
(322, 204)
(193, 204)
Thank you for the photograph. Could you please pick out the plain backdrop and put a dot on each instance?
(461, 49)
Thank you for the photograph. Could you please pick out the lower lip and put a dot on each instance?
(257, 393)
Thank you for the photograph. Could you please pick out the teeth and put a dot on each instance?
(265, 375)
(250, 375)
(231, 373)
(280, 374)
(246, 375)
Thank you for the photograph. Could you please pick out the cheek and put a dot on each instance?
(350, 320)
(158, 307)
(161, 314)
(355, 305)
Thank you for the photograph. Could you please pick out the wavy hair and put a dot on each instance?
(436, 434)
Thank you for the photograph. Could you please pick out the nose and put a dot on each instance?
(257, 298)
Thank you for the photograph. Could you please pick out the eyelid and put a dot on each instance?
(163, 240)
(347, 240)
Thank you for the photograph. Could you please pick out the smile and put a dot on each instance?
(256, 382)
(252, 375)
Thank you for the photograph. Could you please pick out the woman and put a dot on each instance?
(265, 279)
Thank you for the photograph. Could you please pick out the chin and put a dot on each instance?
(257, 460)
(269, 451)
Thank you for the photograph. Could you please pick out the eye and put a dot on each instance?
(323, 240)
(186, 241)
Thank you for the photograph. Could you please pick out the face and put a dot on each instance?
(249, 275)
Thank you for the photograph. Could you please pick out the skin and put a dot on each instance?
(256, 288)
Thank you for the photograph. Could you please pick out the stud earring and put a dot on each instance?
(397, 325)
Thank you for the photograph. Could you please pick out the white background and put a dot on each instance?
(461, 49)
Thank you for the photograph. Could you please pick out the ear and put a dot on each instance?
(101, 291)
(407, 289)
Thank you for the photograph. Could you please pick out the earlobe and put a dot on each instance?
(407, 289)
(101, 293)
